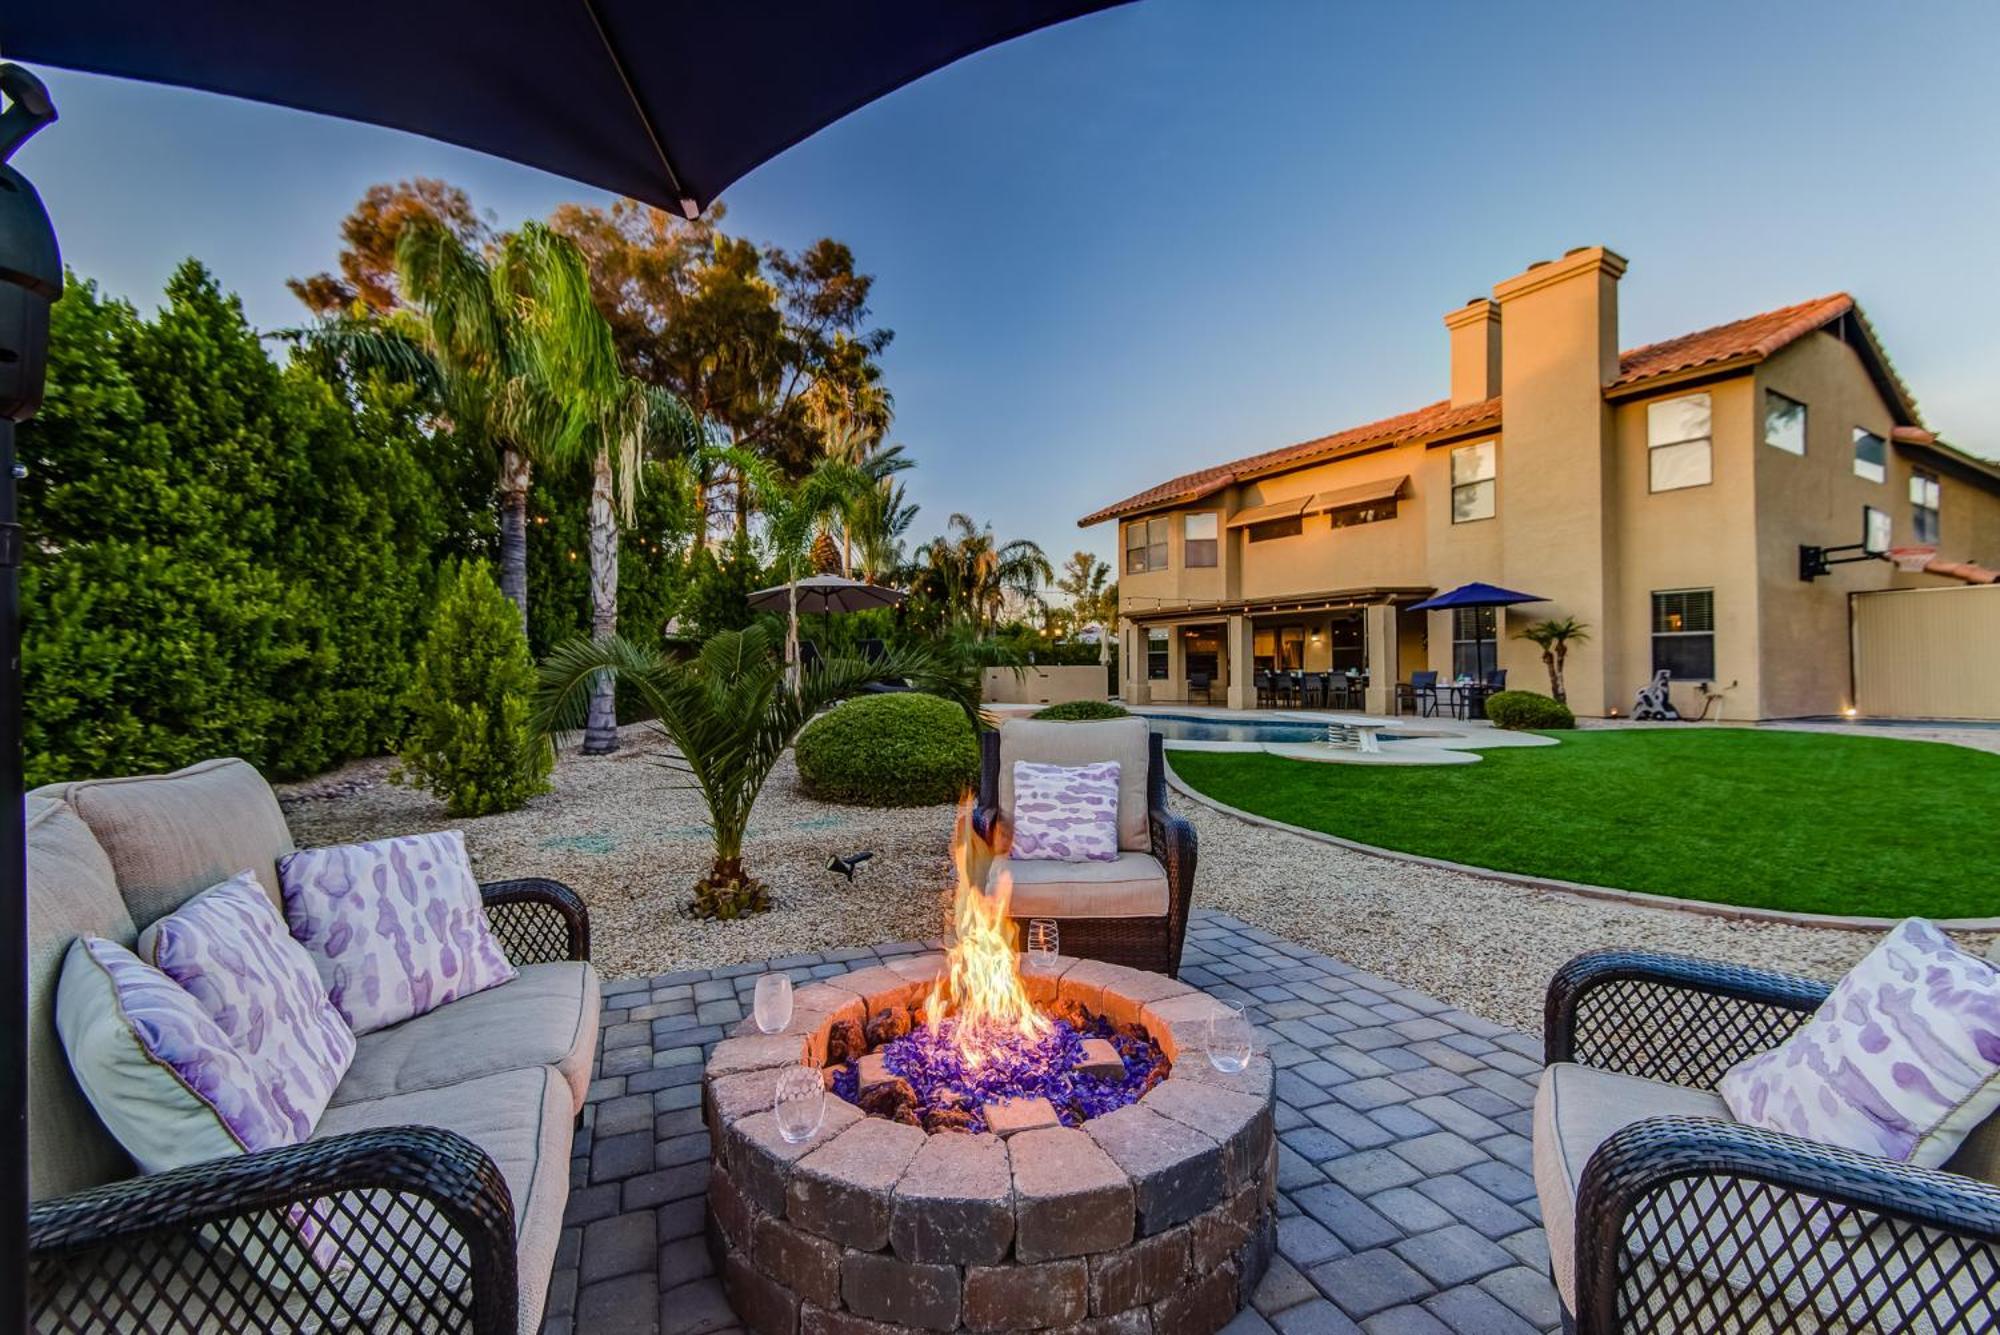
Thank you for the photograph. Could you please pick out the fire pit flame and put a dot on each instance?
(980, 985)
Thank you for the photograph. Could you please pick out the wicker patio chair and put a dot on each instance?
(382, 1227)
(1133, 911)
(1663, 1214)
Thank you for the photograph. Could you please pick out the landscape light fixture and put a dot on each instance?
(847, 866)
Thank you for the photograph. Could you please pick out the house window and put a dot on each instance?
(1924, 502)
(1876, 530)
(1276, 528)
(1677, 443)
(1347, 516)
(1475, 649)
(1146, 545)
(1472, 482)
(1684, 633)
(1156, 655)
(1871, 456)
(1784, 423)
(1198, 540)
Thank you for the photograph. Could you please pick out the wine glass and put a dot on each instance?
(773, 1005)
(1230, 1038)
(800, 1103)
(1044, 944)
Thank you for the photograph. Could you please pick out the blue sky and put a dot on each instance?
(1167, 235)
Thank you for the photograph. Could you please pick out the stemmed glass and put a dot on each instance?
(1230, 1038)
(1044, 944)
(773, 1005)
(800, 1103)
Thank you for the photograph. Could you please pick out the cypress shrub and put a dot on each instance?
(471, 742)
(901, 750)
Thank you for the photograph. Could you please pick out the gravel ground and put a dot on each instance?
(628, 835)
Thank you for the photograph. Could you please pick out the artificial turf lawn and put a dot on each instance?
(1809, 822)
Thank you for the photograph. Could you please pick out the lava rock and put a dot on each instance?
(890, 1099)
(845, 1042)
(888, 1025)
(941, 1118)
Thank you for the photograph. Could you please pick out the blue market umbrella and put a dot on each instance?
(1476, 595)
(669, 101)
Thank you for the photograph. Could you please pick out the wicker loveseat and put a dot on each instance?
(1133, 911)
(1663, 1214)
(436, 1178)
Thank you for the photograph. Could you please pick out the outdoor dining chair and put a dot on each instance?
(1198, 681)
(1266, 692)
(1421, 693)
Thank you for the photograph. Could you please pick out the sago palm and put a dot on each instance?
(730, 713)
(1555, 636)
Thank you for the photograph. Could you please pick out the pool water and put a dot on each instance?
(1189, 728)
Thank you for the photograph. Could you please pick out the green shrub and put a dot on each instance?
(1077, 711)
(471, 740)
(1526, 709)
(903, 750)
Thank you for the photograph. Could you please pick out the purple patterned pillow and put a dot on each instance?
(1065, 813)
(396, 927)
(1901, 1061)
(230, 950)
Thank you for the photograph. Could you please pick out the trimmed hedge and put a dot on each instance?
(1526, 709)
(902, 750)
(1080, 711)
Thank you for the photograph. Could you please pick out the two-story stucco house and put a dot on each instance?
(1659, 495)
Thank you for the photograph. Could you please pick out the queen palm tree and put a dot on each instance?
(970, 573)
(1555, 636)
(878, 521)
(851, 410)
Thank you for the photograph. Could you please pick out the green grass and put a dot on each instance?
(1807, 822)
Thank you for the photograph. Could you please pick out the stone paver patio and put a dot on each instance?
(1406, 1198)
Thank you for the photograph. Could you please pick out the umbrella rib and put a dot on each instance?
(689, 205)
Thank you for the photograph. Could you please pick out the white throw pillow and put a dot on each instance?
(395, 927)
(1901, 1061)
(164, 1079)
(228, 949)
(1065, 813)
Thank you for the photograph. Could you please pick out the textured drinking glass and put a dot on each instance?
(800, 1103)
(1229, 1038)
(1044, 944)
(773, 1006)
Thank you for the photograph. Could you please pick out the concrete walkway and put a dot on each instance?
(1406, 1201)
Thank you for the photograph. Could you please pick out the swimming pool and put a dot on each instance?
(1193, 728)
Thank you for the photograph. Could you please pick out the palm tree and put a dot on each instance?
(1555, 636)
(851, 410)
(970, 573)
(878, 520)
(730, 712)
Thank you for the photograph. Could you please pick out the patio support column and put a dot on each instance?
(1379, 634)
(1242, 662)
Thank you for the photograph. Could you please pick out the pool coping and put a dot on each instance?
(1582, 889)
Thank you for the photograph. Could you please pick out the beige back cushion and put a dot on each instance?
(172, 836)
(71, 893)
(1053, 742)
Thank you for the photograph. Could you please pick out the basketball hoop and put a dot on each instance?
(1910, 560)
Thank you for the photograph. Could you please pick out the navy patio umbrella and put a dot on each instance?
(669, 101)
(1476, 595)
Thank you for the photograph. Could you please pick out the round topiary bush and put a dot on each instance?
(1081, 711)
(1526, 709)
(902, 750)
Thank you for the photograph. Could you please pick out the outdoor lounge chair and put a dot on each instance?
(438, 1174)
(1133, 911)
(1665, 1214)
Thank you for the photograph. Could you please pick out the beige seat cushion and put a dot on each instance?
(172, 836)
(1053, 742)
(71, 893)
(1576, 1110)
(545, 1017)
(1135, 886)
(522, 1119)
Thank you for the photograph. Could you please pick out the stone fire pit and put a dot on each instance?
(1153, 1217)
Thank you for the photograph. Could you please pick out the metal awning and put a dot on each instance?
(1364, 493)
(1264, 514)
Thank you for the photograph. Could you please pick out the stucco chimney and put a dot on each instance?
(1475, 351)
(1563, 312)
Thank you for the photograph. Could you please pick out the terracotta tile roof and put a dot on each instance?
(1970, 572)
(1752, 339)
(1437, 419)
(1912, 435)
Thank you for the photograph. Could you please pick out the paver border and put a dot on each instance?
(1551, 885)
